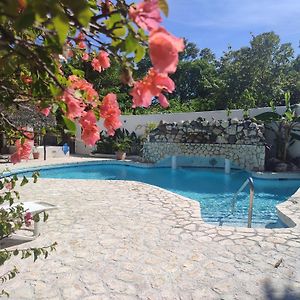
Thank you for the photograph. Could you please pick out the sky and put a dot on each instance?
(217, 24)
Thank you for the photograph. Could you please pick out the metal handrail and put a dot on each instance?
(249, 182)
(250, 209)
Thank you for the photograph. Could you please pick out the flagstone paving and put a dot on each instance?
(129, 240)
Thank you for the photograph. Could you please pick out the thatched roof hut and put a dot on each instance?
(24, 115)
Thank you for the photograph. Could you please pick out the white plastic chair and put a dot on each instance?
(34, 208)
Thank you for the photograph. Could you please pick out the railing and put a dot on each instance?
(249, 182)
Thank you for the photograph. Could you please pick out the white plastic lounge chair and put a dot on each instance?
(34, 208)
(4, 158)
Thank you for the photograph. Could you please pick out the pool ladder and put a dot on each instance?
(249, 181)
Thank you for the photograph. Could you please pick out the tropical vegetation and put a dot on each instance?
(249, 77)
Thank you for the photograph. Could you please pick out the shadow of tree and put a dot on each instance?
(289, 293)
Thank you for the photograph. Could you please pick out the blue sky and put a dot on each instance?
(216, 24)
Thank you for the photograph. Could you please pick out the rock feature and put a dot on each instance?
(200, 131)
(240, 141)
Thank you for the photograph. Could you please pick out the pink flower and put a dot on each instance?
(45, 111)
(146, 14)
(163, 50)
(90, 131)
(85, 56)
(26, 133)
(101, 62)
(75, 106)
(28, 218)
(9, 186)
(152, 86)
(73, 78)
(90, 134)
(81, 45)
(88, 117)
(110, 111)
(26, 79)
(23, 151)
(83, 85)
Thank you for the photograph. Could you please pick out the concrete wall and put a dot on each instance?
(130, 122)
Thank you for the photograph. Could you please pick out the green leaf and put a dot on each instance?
(119, 32)
(70, 125)
(45, 218)
(268, 117)
(61, 25)
(24, 181)
(115, 18)
(130, 44)
(76, 72)
(84, 16)
(55, 91)
(289, 115)
(164, 7)
(25, 20)
(139, 53)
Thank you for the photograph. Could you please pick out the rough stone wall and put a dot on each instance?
(248, 157)
(201, 131)
(242, 142)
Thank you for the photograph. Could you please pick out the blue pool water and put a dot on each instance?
(211, 187)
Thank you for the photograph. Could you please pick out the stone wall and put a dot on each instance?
(248, 157)
(242, 142)
(201, 131)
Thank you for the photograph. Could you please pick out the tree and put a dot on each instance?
(38, 40)
(257, 74)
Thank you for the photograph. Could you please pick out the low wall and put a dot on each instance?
(132, 122)
(52, 152)
(250, 157)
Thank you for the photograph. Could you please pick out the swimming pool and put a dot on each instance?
(211, 187)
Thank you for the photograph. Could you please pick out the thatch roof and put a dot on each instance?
(24, 115)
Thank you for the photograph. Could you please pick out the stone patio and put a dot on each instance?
(129, 240)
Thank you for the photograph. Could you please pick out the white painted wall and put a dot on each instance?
(131, 122)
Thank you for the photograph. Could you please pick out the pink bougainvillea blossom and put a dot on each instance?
(90, 134)
(163, 50)
(90, 131)
(75, 96)
(27, 133)
(101, 62)
(28, 218)
(152, 86)
(81, 45)
(45, 111)
(85, 56)
(88, 117)
(146, 14)
(75, 105)
(77, 83)
(9, 186)
(23, 151)
(26, 79)
(110, 112)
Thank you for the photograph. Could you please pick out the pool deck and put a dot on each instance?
(130, 240)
